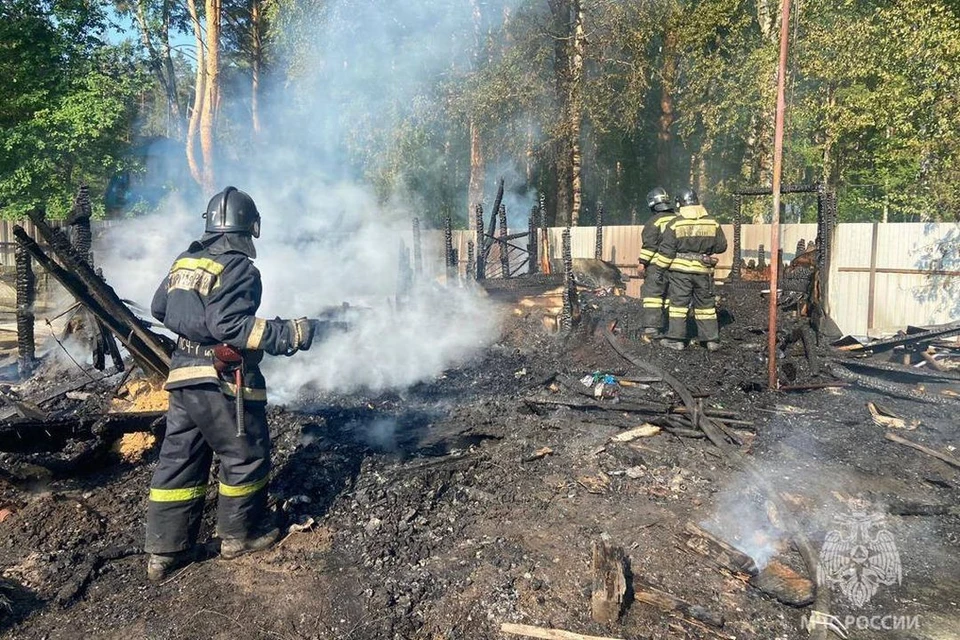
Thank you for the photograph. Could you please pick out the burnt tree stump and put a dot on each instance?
(609, 597)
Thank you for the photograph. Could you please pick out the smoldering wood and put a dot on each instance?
(786, 585)
(151, 350)
(667, 602)
(707, 425)
(609, 597)
(717, 551)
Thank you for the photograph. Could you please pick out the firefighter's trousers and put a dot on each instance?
(653, 292)
(202, 420)
(692, 290)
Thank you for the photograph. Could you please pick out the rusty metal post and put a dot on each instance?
(26, 285)
(598, 249)
(481, 261)
(417, 252)
(777, 175)
(504, 248)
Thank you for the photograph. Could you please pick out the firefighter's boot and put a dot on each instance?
(161, 565)
(232, 548)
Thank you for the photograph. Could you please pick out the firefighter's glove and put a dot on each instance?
(301, 330)
(708, 260)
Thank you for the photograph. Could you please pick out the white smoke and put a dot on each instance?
(331, 234)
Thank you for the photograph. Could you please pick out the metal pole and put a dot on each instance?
(777, 172)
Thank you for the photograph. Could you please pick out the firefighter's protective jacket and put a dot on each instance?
(211, 296)
(652, 236)
(692, 234)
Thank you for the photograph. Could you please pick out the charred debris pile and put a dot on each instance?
(400, 479)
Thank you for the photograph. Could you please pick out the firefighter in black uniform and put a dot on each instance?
(654, 288)
(690, 243)
(217, 393)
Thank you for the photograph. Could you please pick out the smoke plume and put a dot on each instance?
(358, 73)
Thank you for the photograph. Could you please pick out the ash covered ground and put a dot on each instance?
(438, 513)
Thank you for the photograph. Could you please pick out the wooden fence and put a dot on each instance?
(883, 277)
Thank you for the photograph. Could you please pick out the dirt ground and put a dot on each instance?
(426, 514)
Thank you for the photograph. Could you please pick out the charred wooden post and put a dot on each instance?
(504, 247)
(780, 259)
(481, 256)
(825, 242)
(533, 243)
(26, 286)
(570, 311)
(492, 233)
(735, 271)
(417, 251)
(471, 267)
(633, 216)
(150, 349)
(80, 221)
(448, 241)
(598, 249)
(761, 258)
(543, 211)
(404, 274)
(801, 247)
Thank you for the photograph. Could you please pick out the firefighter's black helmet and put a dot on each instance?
(232, 211)
(658, 199)
(687, 197)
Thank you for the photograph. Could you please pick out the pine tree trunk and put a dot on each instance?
(563, 154)
(211, 101)
(256, 61)
(576, 111)
(665, 124)
(199, 93)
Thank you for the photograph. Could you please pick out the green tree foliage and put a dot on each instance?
(66, 104)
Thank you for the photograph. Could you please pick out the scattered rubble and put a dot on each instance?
(480, 510)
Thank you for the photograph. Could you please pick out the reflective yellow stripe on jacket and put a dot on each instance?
(685, 265)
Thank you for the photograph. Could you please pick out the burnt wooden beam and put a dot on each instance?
(667, 602)
(28, 434)
(151, 350)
